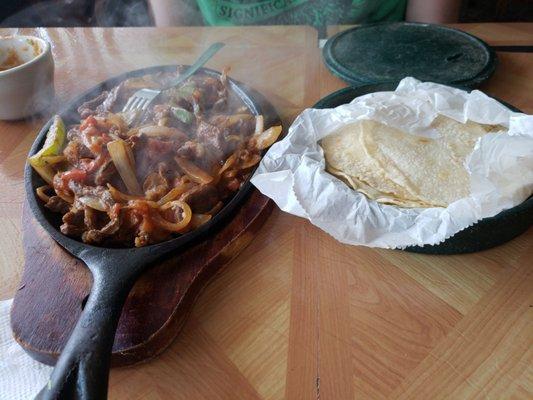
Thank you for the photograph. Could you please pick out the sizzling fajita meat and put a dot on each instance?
(121, 179)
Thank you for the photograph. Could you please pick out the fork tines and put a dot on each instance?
(140, 100)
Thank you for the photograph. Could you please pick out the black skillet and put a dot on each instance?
(82, 370)
(484, 234)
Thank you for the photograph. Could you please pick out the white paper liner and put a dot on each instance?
(292, 173)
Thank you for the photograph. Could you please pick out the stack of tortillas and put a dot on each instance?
(404, 169)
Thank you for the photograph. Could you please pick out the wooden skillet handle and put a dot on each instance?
(82, 370)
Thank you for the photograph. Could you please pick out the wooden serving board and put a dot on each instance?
(55, 285)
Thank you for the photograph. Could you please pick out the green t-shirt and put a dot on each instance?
(300, 12)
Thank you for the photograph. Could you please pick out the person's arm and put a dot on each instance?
(433, 11)
(174, 12)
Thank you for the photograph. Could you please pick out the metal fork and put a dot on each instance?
(141, 99)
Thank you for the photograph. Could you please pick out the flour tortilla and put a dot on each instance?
(461, 138)
(372, 193)
(347, 158)
(395, 167)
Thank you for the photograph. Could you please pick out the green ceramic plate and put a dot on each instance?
(485, 234)
(390, 51)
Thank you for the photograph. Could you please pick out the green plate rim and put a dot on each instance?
(348, 76)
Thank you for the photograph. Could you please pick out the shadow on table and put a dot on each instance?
(33, 13)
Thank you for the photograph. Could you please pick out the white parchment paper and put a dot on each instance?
(293, 174)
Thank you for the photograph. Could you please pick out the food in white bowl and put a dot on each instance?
(11, 59)
(26, 76)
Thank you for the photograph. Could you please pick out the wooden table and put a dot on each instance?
(298, 315)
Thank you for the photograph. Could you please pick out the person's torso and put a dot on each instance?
(300, 12)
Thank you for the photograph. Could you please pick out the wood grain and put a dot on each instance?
(297, 315)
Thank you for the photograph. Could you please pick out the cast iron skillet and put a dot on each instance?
(486, 233)
(81, 372)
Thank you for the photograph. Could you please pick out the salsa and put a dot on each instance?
(11, 61)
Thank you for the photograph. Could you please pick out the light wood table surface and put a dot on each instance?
(298, 315)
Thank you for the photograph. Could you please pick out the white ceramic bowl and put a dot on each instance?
(28, 88)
